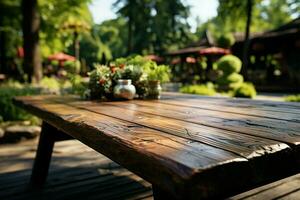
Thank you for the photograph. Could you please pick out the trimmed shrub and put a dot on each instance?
(293, 98)
(226, 40)
(246, 90)
(230, 79)
(229, 64)
(202, 89)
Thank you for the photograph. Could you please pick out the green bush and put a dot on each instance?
(246, 90)
(202, 89)
(10, 89)
(233, 78)
(50, 83)
(72, 67)
(293, 98)
(226, 40)
(229, 64)
(8, 111)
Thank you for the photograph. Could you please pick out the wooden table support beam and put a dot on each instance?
(49, 135)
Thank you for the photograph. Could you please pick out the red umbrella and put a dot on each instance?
(61, 57)
(214, 50)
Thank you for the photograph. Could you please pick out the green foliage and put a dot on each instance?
(159, 73)
(266, 15)
(151, 69)
(246, 90)
(72, 67)
(78, 85)
(293, 98)
(58, 19)
(140, 70)
(161, 25)
(229, 64)
(203, 89)
(231, 79)
(226, 40)
(10, 112)
(112, 34)
(100, 83)
(50, 83)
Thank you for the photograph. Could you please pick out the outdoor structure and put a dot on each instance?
(274, 58)
(196, 59)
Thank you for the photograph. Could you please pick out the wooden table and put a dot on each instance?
(188, 147)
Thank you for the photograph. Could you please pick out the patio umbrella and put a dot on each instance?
(214, 50)
(61, 57)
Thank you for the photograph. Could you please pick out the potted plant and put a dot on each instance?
(100, 84)
(157, 75)
(125, 80)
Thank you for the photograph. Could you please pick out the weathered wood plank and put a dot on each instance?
(236, 108)
(243, 145)
(285, 107)
(274, 129)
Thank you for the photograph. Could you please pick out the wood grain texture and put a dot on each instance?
(274, 129)
(240, 144)
(285, 107)
(180, 156)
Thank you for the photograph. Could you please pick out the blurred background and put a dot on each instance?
(216, 47)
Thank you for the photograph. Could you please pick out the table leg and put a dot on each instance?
(49, 135)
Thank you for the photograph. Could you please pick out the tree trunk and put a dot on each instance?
(247, 41)
(31, 25)
(76, 45)
(2, 48)
(129, 45)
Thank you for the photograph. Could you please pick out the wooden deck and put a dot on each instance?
(78, 172)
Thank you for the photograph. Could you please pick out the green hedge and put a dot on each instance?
(293, 98)
(207, 89)
(10, 89)
(8, 111)
(246, 90)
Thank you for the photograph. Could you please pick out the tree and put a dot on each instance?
(266, 15)
(62, 22)
(113, 33)
(158, 28)
(10, 20)
(246, 40)
(31, 26)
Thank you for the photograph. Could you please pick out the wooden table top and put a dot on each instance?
(200, 146)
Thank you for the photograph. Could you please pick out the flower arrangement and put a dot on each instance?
(139, 70)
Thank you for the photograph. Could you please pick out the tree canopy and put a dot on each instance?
(141, 26)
